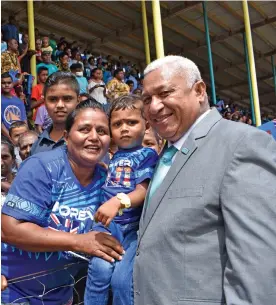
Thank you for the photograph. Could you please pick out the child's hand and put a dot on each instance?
(108, 211)
(4, 283)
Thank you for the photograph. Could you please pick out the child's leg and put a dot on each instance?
(121, 282)
(100, 273)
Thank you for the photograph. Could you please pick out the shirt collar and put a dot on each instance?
(46, 133)
(179, 143)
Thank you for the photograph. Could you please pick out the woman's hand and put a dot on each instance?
(99, 244)
(107, 211)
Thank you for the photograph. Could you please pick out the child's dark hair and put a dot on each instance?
(126, 102)
(62, 78)
(90, 103)
(62, 54)
(17, 124)
(10, 147)
(40, 69)
(6, 75)
(75, 66)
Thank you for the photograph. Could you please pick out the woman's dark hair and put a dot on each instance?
(62, 78)
(118, 71)
(90, 103)
(10, 147)
(90, 59)
(126, 102)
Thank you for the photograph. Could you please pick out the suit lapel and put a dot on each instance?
(181, 158)
(201, 130)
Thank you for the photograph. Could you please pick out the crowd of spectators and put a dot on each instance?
(32, 122)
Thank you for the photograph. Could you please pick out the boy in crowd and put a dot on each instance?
(47, 62)
(37, 100)
(16, 130)
(46, 45)
(78, 71)
(25, 143)
(124, 192)
(152, 140)
(61, 96)
(12, 108)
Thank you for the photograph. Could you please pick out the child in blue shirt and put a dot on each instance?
(124, 191)
(78, 71)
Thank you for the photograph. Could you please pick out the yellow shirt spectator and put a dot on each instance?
(116, 87)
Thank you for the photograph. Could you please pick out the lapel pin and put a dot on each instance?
(185, 150)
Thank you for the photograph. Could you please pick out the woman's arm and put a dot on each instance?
(31, 237)
(5, 186)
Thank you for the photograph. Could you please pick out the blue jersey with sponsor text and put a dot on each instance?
(126, 169)
(47, 193)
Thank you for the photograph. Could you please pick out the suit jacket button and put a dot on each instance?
(137, 253)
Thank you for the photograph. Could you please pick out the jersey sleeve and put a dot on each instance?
(145, 169)
(29, 198)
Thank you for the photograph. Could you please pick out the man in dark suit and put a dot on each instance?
(208, 230)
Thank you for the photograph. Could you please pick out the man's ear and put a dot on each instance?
(200, 90)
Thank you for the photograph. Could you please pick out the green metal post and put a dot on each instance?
(249, 80)
(274, 72)
(208, 43)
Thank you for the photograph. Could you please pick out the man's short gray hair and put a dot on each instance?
(176, 65)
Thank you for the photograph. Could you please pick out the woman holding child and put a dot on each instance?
(54, 194)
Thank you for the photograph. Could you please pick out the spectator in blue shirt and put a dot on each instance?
(132, 77)
(61, 96)
(12, 108)
(48, 213)
(4, 45)
(10, 30)
(46, 62)
(78, 71)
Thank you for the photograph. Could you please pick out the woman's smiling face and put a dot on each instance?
(89, 138)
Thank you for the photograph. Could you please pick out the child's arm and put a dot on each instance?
(35, 103)
(110, 208)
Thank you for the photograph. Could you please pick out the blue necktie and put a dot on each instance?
(162, 170)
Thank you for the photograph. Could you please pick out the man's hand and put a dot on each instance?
(108, 211)
(4, 283)
(99, 244)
